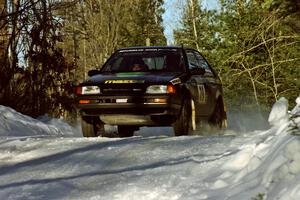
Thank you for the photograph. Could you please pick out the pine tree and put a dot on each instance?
(254, 45)
(144, 21)
(198, 29)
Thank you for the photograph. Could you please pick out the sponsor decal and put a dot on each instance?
(175, 81)
(202, 94)
(123, 81)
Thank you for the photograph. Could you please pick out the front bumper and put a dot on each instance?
(128, 110)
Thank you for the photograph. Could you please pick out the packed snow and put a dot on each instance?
(48, 159)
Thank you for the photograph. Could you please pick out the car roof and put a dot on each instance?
(142, 48)
(151, 47)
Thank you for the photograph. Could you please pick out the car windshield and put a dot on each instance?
(167, 60)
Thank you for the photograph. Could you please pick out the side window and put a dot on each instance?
(203, 63)
(192, 60)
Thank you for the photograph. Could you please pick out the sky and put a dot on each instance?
(173, 11)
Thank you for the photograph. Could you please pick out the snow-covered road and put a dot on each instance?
(51, 161)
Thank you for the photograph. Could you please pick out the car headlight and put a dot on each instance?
(160, 89)
(88, 90)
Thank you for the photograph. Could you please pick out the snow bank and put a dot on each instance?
(279, 113)
(256, 165)
(268, 167)
(61, 125)
(13, 123)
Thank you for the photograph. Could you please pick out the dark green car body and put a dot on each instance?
(174, 86)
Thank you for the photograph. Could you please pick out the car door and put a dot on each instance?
(210, 82)
(197, 85)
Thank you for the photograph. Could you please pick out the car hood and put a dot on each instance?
(132, 77)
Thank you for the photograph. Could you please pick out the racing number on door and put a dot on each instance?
(201, 94)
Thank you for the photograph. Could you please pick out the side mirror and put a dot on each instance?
(198, 71)
(93, 72)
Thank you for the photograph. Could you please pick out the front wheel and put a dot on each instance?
(183, 124)
(91, 127)
(126, 131)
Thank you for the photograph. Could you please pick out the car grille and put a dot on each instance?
(122, 89)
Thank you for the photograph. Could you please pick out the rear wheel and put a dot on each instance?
(126, 131)
(92, 127)
(218, 119)
(183, 124)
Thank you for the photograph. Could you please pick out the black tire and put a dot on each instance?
(126, 131)
(218, 120)
(92, 127)
(183, 125)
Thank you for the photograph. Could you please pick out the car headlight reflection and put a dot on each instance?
(160, 89)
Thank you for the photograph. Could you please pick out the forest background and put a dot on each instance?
(48, 46)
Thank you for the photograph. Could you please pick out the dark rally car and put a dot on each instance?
(151, 86)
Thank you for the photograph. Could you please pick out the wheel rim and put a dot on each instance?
(193, 117)
(187, 116)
